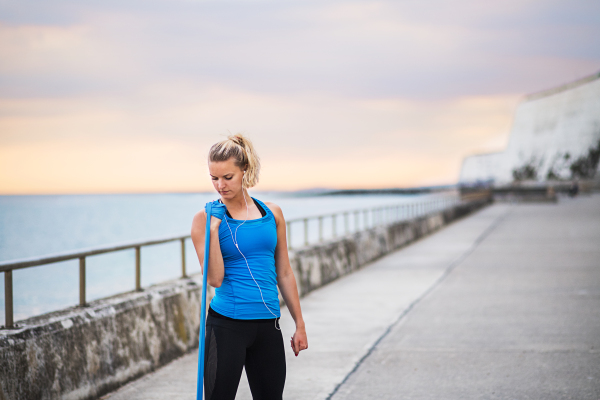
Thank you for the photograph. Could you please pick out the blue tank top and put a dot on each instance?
(238, 296)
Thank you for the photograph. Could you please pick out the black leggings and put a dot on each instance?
(232, 344)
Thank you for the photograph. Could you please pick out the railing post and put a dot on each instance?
(306, 231)
(183, 267)
(320, 229)
(346, 225)
(138, 269)
(366, 219)
(288, 227)
(356, 220)
(334, 225)
(8, 300)
(82, 301)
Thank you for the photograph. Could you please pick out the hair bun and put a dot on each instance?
(237, 139)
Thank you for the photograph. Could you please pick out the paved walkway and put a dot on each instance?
(502, 304)
(519, 318)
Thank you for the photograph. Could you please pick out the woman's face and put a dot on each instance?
(226, 177)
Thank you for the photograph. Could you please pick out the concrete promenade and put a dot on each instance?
(504, 304)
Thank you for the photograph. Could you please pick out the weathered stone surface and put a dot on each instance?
(316, 266)
(83, 353)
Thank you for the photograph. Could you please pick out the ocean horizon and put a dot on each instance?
(39, 225)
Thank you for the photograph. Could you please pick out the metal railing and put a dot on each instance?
(363, 219)
(357, 220)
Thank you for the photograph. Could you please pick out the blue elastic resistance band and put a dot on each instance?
(200, 388)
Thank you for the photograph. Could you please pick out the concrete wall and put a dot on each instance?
(83, 353)
(546, 127)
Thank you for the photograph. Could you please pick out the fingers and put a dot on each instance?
(217, 209)
(298, 345)
(293, 347)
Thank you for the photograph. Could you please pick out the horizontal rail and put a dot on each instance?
(379, 215)
(71, 255)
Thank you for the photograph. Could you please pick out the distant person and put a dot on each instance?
(574, 189)
(248, 260)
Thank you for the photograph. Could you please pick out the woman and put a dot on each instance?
(248, 259)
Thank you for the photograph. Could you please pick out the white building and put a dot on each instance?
(550, 131)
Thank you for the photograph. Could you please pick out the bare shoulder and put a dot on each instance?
(199, 221)
(275, 209)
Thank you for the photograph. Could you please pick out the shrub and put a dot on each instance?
(585, 166)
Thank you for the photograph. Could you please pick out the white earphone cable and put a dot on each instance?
(235, 242)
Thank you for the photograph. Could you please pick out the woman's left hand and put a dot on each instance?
(299, 341)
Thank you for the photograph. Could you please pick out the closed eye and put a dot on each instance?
(216, 178)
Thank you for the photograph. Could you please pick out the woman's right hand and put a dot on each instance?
(218, 211)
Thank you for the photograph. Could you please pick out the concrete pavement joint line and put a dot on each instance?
(447, 272)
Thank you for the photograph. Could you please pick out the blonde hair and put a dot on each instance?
(240, 148)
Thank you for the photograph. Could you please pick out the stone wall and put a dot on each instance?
(316, 266)
(83, 353)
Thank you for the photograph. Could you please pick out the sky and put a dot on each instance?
(128, 95)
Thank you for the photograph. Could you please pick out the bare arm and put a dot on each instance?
(216, 268)
(287, 282)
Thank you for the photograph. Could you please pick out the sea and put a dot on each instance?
(46, 224)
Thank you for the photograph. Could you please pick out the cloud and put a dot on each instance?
(98, 145)
(121, 166)
(428, 49)
(351, 87)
